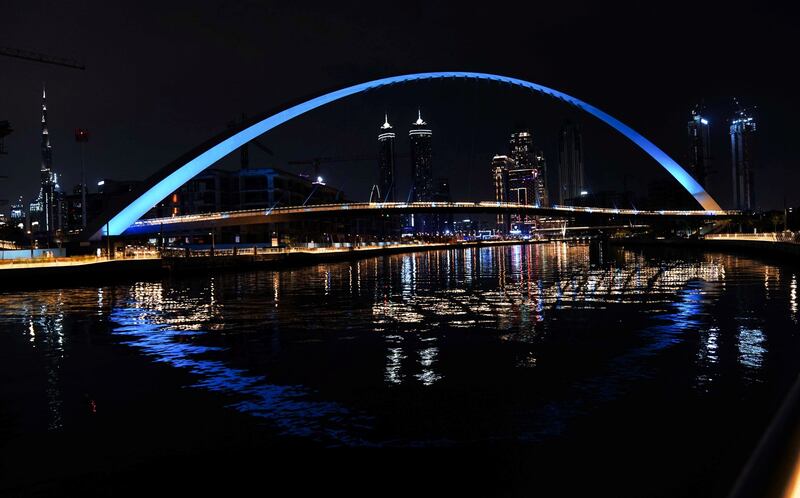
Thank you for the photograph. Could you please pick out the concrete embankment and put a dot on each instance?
(67, 274)
(76, 273)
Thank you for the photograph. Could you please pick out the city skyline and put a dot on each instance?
(525, 156)
(120, 114)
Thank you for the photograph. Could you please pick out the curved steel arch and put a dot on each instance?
(181, 172)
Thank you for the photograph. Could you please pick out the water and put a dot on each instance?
(525, 368)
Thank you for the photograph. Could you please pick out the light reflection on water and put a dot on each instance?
(516, 304)
(163, 326)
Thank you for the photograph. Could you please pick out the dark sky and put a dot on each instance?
(163, 77)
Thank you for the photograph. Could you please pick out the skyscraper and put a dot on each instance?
(743, 133)
(386, 161)
(419, 137)
(44, 208)
(501, 165)
(540, 166)
(699, 145)
(529, 178)
(421, 169)
(570, 163)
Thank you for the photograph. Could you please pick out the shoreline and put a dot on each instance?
(61, 274)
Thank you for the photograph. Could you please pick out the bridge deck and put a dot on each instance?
(298, 213)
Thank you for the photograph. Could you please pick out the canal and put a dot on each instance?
(545, 369)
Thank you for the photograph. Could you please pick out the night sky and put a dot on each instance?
(163, 77)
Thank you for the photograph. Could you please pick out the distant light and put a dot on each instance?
(704, 121)
(584, 192)
(101, 183)
(319, 179)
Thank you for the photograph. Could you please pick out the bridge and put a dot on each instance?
(119, 218)
(374, 209)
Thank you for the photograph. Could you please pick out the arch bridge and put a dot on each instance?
(117, 219)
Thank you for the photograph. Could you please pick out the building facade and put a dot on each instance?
(699, 145)
(387, 189)
(743, 135)
(570, 163)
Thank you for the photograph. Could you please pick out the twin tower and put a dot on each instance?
(422, 185)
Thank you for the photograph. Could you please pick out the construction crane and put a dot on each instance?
(315, 162)
(37, 57)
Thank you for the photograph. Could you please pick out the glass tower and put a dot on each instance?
(743, 133)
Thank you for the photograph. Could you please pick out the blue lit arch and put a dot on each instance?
(182, 171)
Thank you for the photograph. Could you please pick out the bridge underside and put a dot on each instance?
(376, 210)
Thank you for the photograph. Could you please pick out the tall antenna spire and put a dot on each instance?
(386, 125)
(47, 150)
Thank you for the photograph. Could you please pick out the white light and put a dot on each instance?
(704, 121)
(319, 179)
(583, 192)
(101, 183)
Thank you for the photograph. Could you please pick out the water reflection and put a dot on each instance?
(793, 298)
(300, 347)
(165, 324)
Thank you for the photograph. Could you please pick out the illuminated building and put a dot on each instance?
(44, 210)
(501, 165)
(699, 146)
(570, 163)
(18, 214)
(743, 132)
(419, 137)
(386, 162)
(529, 178)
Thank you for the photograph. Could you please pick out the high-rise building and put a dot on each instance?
(443, 223)
(570, 163)
(386, 162)
(419, 137)
(44, 209)
(743, 133)
(501, 165)
(699, 145)
(540, 166)
(529, 179)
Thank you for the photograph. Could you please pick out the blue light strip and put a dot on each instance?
(165, 187)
